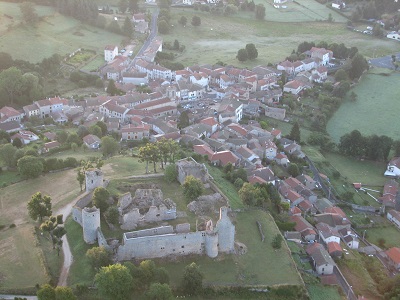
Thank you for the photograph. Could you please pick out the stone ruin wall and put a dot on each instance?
(93, 179)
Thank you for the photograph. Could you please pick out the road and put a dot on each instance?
(384, 62)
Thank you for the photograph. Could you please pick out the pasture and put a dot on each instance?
(220, 38)
(55, 33)
(390, 233)
(376, 97)
(20, 252)
(318, 291)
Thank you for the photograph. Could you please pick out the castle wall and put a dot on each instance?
(211, 244)
(131, 219)
(77, 214)
(226, 232)
(101, 240)
(162, 245)
(90, 224)
(148, 232)
(93, 179)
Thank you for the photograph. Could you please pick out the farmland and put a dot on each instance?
(54, 34)
(376, 97)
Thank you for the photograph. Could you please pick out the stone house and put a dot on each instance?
(394, 217)
(92, 141)
(306, 230)
(322, 261)
(275, 112)
(130, 132)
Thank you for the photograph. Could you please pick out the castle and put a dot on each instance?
(154, 242)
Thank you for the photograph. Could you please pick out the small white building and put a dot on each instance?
(393, 167)
(110, 52)
(394, 35)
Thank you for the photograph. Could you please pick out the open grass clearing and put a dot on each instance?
(390, 233)
(54, 34)
(313, 153)
(9, 177)
(124, 166)
(21, 248)
(94, 64)
(374, 111)
(220, 38)
(78, 154)
(261, 265)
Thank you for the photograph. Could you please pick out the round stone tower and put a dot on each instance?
(211, 244)
(90, 224)
(93, 179)
(226, 232)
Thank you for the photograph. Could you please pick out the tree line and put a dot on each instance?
(163, 151)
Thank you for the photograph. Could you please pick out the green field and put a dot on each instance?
(220, 38)
(318, 292)
(54, 34)
(377, 97)
(390, 233)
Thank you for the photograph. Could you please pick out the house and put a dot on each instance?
(230, 110)
(306, 229)
(110, 52)
(31, 110)
(50, 145)
(10, 127)
(265, 174)
(25, 136)
(281, 159)
(327, 233)
(92, 141)
(286, 66)
(51, 136)
(351, 241)
(248, 155)
(393, 167)
(321, 53)
(394, 217)
(294, 87)
(334, 249)
(8, 114)
(322, 261)
(203, 150)
(389, 194)
(338, 4)
(307, 181)
(393, 255)
(270, 150)
(131, 132)
(223, 158)
(275, 112)
(334, 220)
(211, 122)
(293, 236)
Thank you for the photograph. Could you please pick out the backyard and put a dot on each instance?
(376, 93)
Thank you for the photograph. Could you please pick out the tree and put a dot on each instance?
(192, 282)
(114, 281)
(183, 120)
(12, 83)
(7, 155)
(192, 187)
(249, 194)
(133, 5)
(196, 21)
(39, 206)
(242, 55)
(55, 230)
(96, 130)
(100, 198)
(29, 14)
(30, 166)
(64, 293)
(98, 257)
(112, 215)
(111, 88)
(293, 170)
(295, 132)
(103, 127)
(46, 292)
(62, 136)
(109, 146)
(260, 11)
(158, 291)
(17, 142)
(341, 75)
(114, 27)
(127, 28)
(170, 173)
(252, 52)
(358, 66)
(163, 27)
(183, 21)
(80, 176)
(74, 147)
(176, 45)
(277, 241)
(74, 138)
(144, 156)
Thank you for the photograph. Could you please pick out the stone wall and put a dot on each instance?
(90, 224)
(188, 166)
(101, 240)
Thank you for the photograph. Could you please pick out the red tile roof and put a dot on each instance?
(394, 254)
(225, 157)
(333, 247)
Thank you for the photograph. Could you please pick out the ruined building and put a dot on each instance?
(188, 166)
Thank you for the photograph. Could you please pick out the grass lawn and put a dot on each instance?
(54, 34)
(220, 38)
(376, 98)
(78, 154)
(81, 271)
(9, 177)
(125, 166)
(313, 154)
(389, 233)
(261, 265)
(18, 246)
(226, 187)
(94, 64)
(318, 292)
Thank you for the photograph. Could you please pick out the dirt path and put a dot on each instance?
(68, 258)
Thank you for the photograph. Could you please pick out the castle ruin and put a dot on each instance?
(93, 179)
(188, 166)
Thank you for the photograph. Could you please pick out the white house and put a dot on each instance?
(394, 217)
(393, 35)
(393, 167)
(294, 87)
(322, 54)
(110, 52)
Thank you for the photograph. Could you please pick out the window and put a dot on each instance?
(182, 247)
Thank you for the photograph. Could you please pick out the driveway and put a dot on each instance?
(384, 62)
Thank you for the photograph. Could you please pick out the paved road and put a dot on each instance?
(384, 62)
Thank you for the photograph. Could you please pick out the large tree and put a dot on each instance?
(12, 83)
(30, 166)
(7, 155)
(123, 6)
(109, 146)
(114, 282)
(260, 11)
(100, 198)
(295, 132)
(192, 188)
(249, 194)
(55, 229)
(29, 14)
(39, 206)
(196, 21)
(158, 291)
(183, 21)
(242, 55)
(98, 257)
(358, 66)
(252, 52)
(46, 292)
(163, 26)
(192, 282)
(64, 293)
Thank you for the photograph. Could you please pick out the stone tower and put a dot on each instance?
(93, 179)
(226, 232)
(90, 224)
(211, 240)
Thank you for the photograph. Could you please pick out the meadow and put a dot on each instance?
(55, 33)
(390, 233)
(376, 97)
